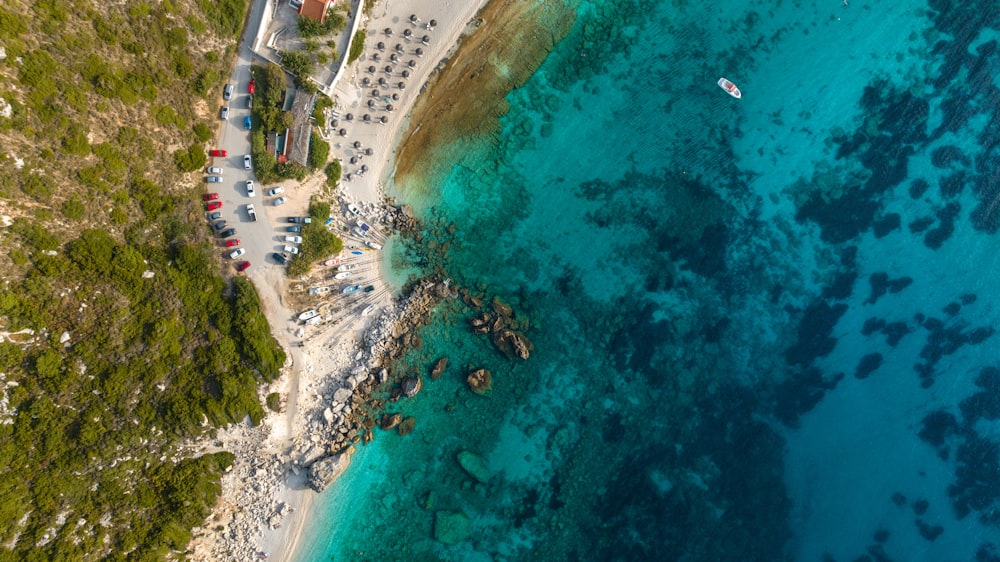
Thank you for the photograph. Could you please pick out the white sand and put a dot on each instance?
(261, 480)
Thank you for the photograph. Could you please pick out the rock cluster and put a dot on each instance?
(503, 329)
(480, 381)
(323, 472)
(438, 369)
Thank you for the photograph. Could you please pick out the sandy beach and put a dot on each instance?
(266, 499)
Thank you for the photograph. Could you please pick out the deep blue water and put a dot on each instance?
(763, 329)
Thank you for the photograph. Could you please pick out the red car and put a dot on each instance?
(214, 205)
(232, 242)
(251, 86)
(216, 152)
(210, 197)
(243, 266)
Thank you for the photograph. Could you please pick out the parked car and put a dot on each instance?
(236, 253)
(277, 190)
(252, 86)
(296, 229)
(247, 123)
(246, 161)
(224, 114)
(293, 239)
(215, 171)
(227, 233)
(300, 220)
(232, 243)
(280, 201)
(251, 213)
(219, 225)
(249, 102)
(214, 179)
(214, 205)
(250, 190)
(217, 152)
(210, 197)
(280, 258)
(214, 216)
(291, 250)
(243, 266)
(227, 92)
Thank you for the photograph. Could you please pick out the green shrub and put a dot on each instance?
(226, 16)
(273, 401)
(357, 46)
(191, 159)
(317, 241)
(202, 133)
(333, 172)
(75, 140)
(319, 151)
(73, 209)
(297, 64)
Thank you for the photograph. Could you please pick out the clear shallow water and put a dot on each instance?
(763, 328)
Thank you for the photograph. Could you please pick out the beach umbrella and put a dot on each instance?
(375, 92)
(383, 120)
(343, 132)
(368, 152)
(357, 144)
(348, 117)
(375, 57)
(387, 31)
(371, 69)
(425, 39)
(406, 74)
(354, 160)
(347, 177)
(407, 33)
(395, 97)
(388, 107)
(388, 68)
(419, 52)
(382, 82)
(365, 81)
(380, 45)
(367, 118)
(401, 86)
(412, 64)
(432, 23)
(364, 168)
(414, 18)
(393, 57)
(399, 48)
(371, 103)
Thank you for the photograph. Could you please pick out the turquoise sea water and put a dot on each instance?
(763, 328)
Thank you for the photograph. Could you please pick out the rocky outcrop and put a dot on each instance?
(504, 330)
(323, 472)
(390, 421)
(438, 369)
(451, 527)
(406, 426)
(474, 466)
(480, 381)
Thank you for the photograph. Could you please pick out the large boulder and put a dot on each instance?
(323, 472)
(480, 381)
(502, 308)
(411, 386)
(390, 421)
(451, 527)
(474, 466)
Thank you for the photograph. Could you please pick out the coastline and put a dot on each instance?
(266, 500)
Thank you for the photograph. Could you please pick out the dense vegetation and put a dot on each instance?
(272, 83)
(357, 46)
(317, 241)
(120, 337)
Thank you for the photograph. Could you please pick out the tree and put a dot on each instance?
(298, 64)
(333, 171)
(357, 46)
(319, 151)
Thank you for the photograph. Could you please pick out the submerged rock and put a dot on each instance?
(323, 472)
(406, 426)
(474, 466)
(438, 368)
(451, 527)
(480, 381)
(390, 421)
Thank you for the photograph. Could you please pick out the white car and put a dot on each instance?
(277, 190)
(224, 114)
(280, 201)
(246, 162)
(250, 191)
(291, 250)
(216, 171)
(293, 239)
(236, 253)
(251, 213)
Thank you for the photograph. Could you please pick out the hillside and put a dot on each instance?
(122, 335)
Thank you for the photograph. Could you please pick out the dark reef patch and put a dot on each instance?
(951, 186)
(977, 476)
(937, 427)
(928, 531)
(918, 187)
(799, 393)
(936, 237)
(920, 507)
(867, 365)
(886, 225)
(872, 325)
(814, 339)
(842, 286)
(944, 156)
(881, 284)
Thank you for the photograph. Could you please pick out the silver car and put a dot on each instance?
(225, 112)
